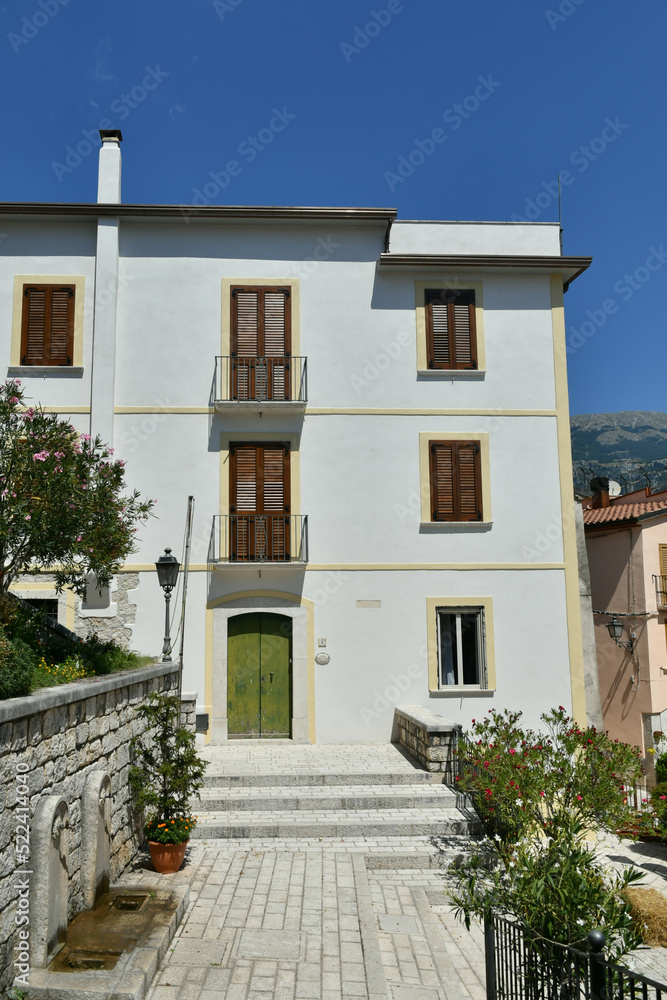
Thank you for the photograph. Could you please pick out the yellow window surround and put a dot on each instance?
(420, 306)
(79, 302)
(486, 604)
(425, 437)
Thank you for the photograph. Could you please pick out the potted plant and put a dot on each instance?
(166, 772)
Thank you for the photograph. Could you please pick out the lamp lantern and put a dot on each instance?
(167, 568)
(615, 629)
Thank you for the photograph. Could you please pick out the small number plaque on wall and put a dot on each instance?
(369, 604)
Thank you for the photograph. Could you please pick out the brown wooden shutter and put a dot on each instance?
(47, 333)
(663, 560)
(455, 481)
(261, 329)
(259, 501)
(450, 329)
(442, 482)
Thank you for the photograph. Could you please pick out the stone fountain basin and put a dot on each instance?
(115, 949)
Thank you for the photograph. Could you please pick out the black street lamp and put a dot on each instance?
(615, 629)
(167, 568)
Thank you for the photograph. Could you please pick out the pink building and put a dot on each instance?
(626, 541)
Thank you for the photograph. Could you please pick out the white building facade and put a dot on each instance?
(372, 417)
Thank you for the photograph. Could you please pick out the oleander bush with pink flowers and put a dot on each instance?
(522, 780)
(539, 794)
(63, 504)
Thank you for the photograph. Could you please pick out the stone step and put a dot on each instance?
(217, 777)
(316, 823)
(330, 797)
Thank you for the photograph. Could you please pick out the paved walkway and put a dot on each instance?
(317, 918)
(288, 920)
(325, 918)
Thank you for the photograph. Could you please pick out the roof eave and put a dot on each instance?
(570, 267)
(194, 213)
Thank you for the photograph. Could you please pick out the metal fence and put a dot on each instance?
(520, 967)
(260, 538)
(279, 379)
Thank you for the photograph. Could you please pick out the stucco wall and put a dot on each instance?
(358, 448)
(617, 584)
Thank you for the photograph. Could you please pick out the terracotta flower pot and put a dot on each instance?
(167, 858)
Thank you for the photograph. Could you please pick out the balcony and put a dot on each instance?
(660, 591)
(253, 540)
(261, 383)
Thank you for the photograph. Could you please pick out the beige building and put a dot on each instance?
(626, 541)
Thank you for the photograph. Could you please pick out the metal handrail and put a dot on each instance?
(260, 538)
(263, 379)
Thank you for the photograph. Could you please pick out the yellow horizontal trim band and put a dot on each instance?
(163, 409)
(360, 567)
(417, 566)
(318, 411)
(60, 409)
(150, 568)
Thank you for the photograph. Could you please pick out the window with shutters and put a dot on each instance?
(260, 343)
(451, 328)
(455, 476)
(461, 647)
(661, 579)
(47, 328)
(259, 493)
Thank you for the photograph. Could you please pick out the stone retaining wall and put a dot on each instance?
(429, 738)
(189, 710)
(49, 742)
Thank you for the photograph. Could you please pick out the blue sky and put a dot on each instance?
(571, 85)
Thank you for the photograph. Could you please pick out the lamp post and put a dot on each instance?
(167, 568)
(615, 629)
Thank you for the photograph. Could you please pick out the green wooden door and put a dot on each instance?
(259, 656)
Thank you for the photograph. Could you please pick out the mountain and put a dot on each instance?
(630, 447)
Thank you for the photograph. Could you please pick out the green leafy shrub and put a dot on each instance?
(556, 887)
(539, 793)
(659, 803)
(106, 657)
(167, 769)
(661, 767)
(523, 781)
(17, 667)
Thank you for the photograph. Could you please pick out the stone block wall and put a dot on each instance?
(431, 739)
(49, 742)
(189, 710)
(117, 627)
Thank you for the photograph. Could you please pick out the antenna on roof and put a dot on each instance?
(646, 477)
(625, 482)
(560, 223)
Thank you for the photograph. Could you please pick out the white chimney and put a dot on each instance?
(108, 187)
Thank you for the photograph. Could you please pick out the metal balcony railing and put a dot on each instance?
(240, 379)
(661, 591)
(260, 538)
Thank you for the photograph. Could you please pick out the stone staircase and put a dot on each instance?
(283, 790)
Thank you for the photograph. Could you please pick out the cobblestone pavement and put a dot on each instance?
(317, 917)
(326, 918)
(316, 920)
